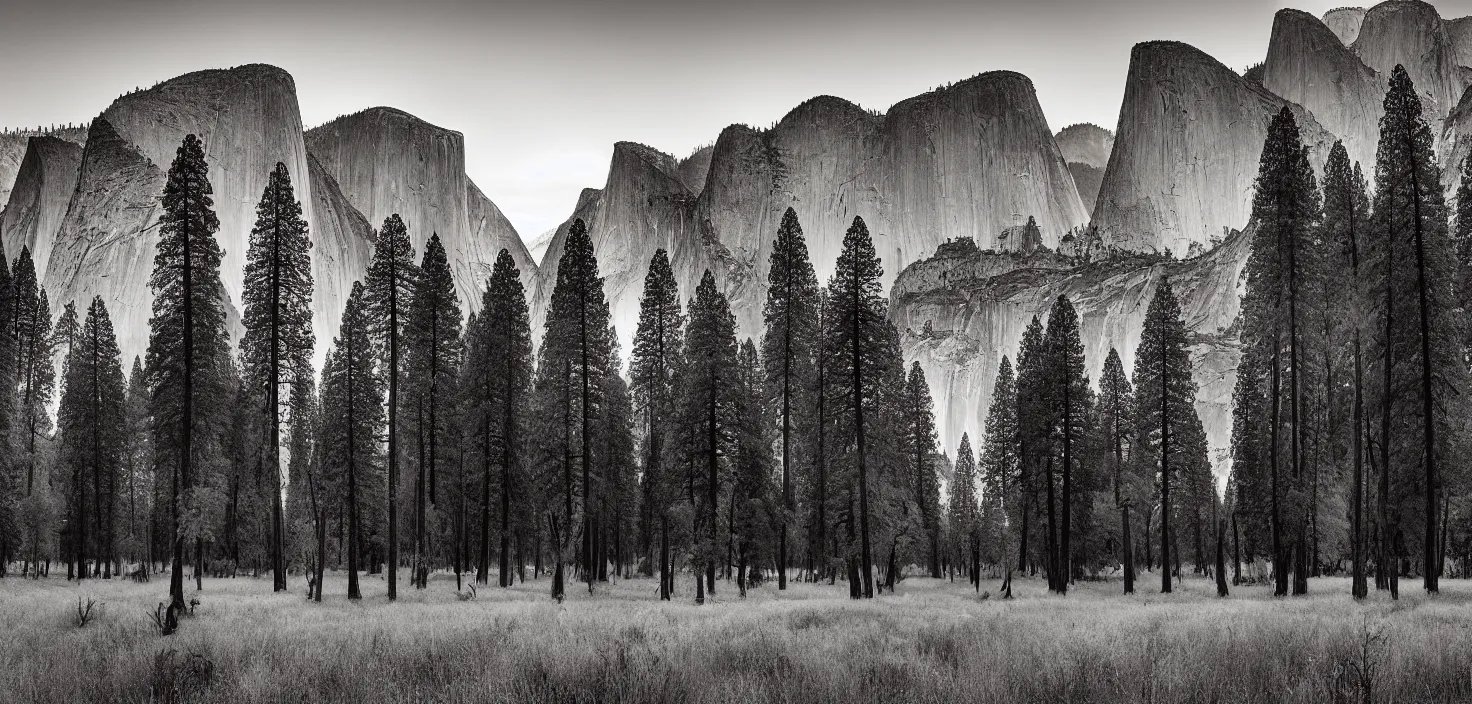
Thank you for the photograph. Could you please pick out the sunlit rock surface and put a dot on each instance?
(1411, 33)
(1345, 22)
(959, 312)
(248, 120)
(106, 243)
(38, 202)
(967, 160)
(13, 145)
(387, 161)
(1307, 64)
(1187, 149)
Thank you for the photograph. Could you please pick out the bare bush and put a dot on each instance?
(85, 613)
(175, 679)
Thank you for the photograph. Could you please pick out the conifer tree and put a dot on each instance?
(92, 423)
(963, 507)
(497, 383)
(855, 330)
(1165, 398)
(1034, 432)
(137, 542)
(35, 372)
(1276, 308)
(788, 351)
(432, 361)
(188, 346)
(389, 290)
(1116, 404)
(1345, 222)
(709, 404)
(352, 384)
(576, 353)
(11, 483)
(1071, 402)
(658, 342)
(751, 505)
(276, 349)
(1000, 459)
(919, 439)
(1415, 344)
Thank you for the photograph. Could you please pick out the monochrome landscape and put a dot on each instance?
(933, 403)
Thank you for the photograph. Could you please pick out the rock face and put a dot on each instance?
(1086, 148)
(961, 311)
(43, 188)
(1307, 64)
(645, 206)
(1187, 149)
(968, 160)
(1411, 33)
(13, 145)
(107, 241)
(1459, 31)
(249, 121)
(1085, 144)
(1345, 23)
(387, 161)
(342, 247)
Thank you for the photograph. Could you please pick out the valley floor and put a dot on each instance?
(932, 641)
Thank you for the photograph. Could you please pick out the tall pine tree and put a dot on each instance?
(276, 349)
(188, 346)
(432, 362)
(389, 290)
(788, 352)
(1165, 398)
(709, 406)
(576, 353)
(658, 342)
(1415, 341)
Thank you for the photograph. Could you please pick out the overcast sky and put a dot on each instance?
(543, 88)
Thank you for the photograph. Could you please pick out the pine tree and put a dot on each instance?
(752, 506)
(35, 372)
(1165, 398)
(92, 423)
(389, 290)
(1415, 345)
(11, 483)
(138, 543)
(658, 342)
(855, 331)
(498, 382)
(963, 507)
(1116, 404)
(188, 346)
(1034, 431)
(1000, 459)
(276, 349)
(576, 353)
(352, 383)
(432, 361)
(708, 398)
(788, 350)
(1345, 219)
(919, 438)
(1071, 400)
(1276, 309)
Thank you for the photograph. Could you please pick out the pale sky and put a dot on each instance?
(543, 88)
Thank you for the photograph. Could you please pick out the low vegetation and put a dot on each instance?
(931, 641)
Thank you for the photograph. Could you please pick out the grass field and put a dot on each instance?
(932, 641)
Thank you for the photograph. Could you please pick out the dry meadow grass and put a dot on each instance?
(933, 641)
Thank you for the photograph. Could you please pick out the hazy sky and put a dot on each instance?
(543, 88)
